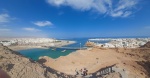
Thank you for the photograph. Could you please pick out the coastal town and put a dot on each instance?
(25, 41)
(111, 42)
(119, 42)
(28, 43)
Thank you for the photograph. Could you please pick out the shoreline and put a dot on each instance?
(42, 46)
(18, 48)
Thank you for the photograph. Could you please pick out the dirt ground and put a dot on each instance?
(135, 62)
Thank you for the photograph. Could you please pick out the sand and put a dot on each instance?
(95, 59)
(17, 48)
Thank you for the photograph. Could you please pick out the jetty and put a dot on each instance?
(70, 48)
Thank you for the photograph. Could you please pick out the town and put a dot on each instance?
(120, 42)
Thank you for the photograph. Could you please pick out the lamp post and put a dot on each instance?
(80, 46)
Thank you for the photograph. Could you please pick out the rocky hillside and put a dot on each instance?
(90, 44)
(147, 45)
(18, 66)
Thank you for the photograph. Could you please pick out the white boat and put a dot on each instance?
(53, 49)
(63, 51)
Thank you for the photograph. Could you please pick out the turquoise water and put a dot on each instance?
(36, 53)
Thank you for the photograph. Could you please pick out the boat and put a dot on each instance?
(53, 49)
(63, 51)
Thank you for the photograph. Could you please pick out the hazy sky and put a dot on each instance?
(74, 18)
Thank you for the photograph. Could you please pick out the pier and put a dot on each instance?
(71, 48)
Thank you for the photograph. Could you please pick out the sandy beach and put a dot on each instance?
(17, 48)
(125, 60)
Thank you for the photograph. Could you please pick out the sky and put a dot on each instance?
(74, 18)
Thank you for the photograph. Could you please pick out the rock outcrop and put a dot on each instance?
(18, 66)
(90, 44)
(147, 45)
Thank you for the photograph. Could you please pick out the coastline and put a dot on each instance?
(17, 48)
(128, 61)
(42, 46)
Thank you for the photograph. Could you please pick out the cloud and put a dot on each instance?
(127, 13)
(56, 2)
(119, 8)
(117, 14)
(31, 29)
(4, 18)
(43, 23)
(126, 4)
(4, 29)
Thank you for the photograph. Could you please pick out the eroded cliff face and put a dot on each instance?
(17, 66)
(147, 45)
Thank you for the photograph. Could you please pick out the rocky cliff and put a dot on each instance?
(18, 66)
(147, 45)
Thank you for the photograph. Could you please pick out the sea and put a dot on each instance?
(35, 53)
